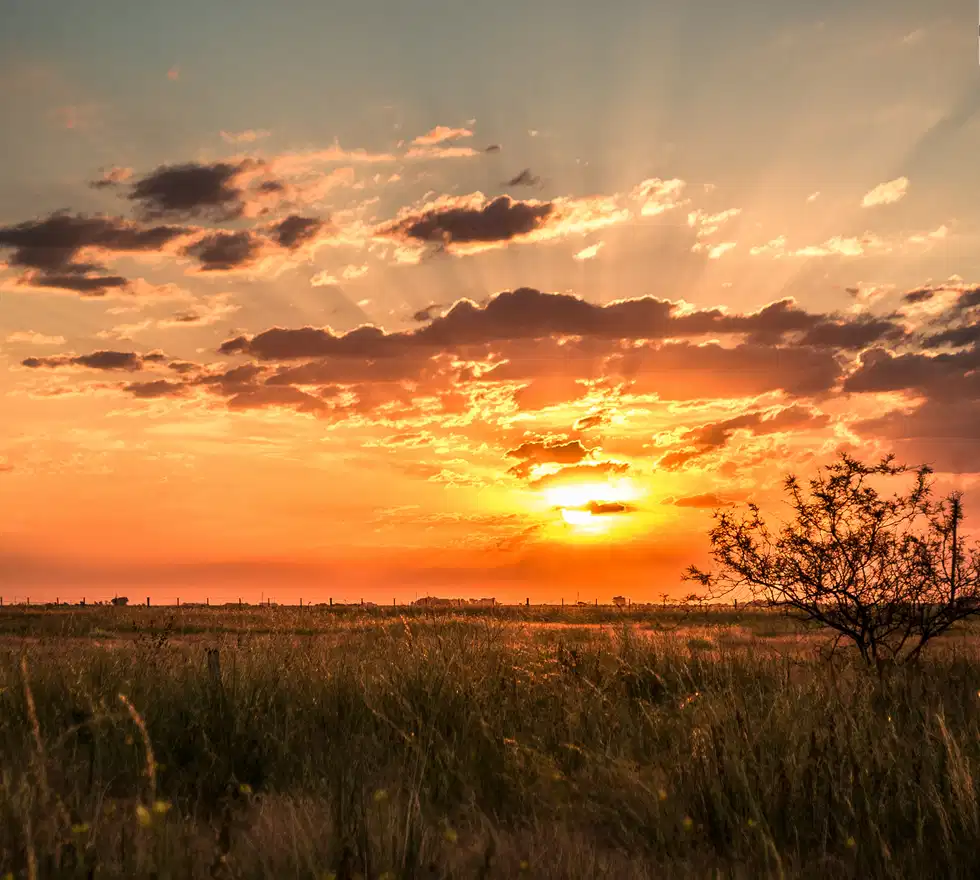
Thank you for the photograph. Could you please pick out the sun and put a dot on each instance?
(581, 504)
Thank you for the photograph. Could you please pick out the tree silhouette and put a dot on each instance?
(886, 574)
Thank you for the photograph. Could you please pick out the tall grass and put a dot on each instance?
(458, 746)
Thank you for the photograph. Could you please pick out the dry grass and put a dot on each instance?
(478, 745)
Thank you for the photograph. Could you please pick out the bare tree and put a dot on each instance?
(886, 574)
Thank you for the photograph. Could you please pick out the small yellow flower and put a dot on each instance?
(80, 828)
(380, 795)
(161, 807)
(688, 823)
(524, 865)
(751, 823)
(143, 816)
(850, 843)
(662, 794)
(245, 788)
(450, 835)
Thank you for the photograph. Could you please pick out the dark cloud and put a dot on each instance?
(535, 452)
(295, 230)
(923, 294)
(157, 388)
(527, 313)
(224, 251)
(717, 434)
(498, 220)
(97, 360)
(524, 178)
(604, 508)
(944, 434)
(852, 334)
(262, 396)
(426, 314)
(191, 190)
(580, 473)
(590, 421)
(938, 375)
(231, 382)
(51, 247)
(86, 285)
(672, 461)
(707, 499)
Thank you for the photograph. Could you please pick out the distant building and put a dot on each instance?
(121, 600)
(438, 602)
(620, 601)
(433, 602)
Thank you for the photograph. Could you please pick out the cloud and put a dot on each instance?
(193, 190)
(580, 473)
(589, 252)
(705, 500)
(714, 435)
(97, 360)
(295, 230)
(536, 452)
(469, 224)
(659, 196)
(30, 337)
(524, 178)
(886, 193)
(497, 220)
(248, 136)
(441, 152)
(225, 251)
(836, 246)
(61, 249)
(714, 252)
(440, 134)
(813, 196)
(707, 224)
(112, 177)
(155, 389)
(527, 313)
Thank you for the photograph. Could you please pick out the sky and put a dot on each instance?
(375, 300)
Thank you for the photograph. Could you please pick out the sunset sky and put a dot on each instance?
(375, 299)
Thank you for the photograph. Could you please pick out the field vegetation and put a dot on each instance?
(513, 742)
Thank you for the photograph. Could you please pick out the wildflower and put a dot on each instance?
(245, 788)
(524, 865)
(850, 843)
(380, 795)
(143, 816)
(450, 835)
(688, 823)
(80, 828)
(662, 794)
(751, 823)
(161, 807)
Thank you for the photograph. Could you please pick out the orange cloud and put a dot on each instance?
(439, 134)
(886, 193)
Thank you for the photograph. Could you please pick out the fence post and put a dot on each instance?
(331, 601)
(147, 601)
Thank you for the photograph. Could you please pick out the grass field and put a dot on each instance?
(541, 742)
